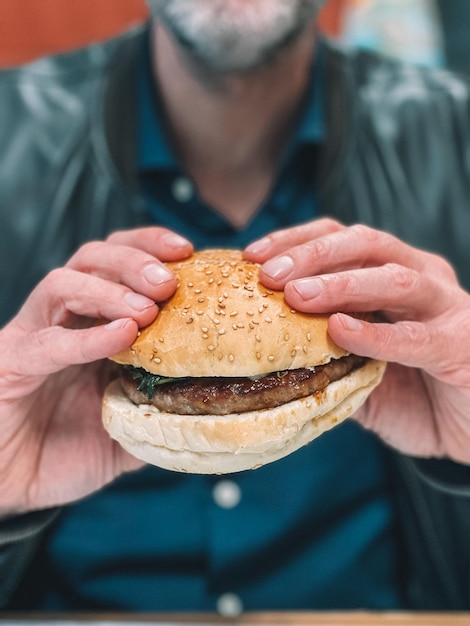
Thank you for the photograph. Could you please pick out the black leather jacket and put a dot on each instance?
(397, 157)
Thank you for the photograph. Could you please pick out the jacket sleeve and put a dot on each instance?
(19, 537)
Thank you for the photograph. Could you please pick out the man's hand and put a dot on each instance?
(422, 406)
(53, 367)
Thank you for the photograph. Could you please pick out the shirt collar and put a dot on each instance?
(311, 128)
(154, 148)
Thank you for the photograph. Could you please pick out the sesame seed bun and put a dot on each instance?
(222, 323)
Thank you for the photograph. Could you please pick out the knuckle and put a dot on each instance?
(401, 278)
(331, 224)
(51, 283)
(442, 267)
(84, 253)
(315, 249)
(364, 232)
(116, 236)
(349, 283)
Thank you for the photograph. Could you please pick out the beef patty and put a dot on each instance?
(222, 396)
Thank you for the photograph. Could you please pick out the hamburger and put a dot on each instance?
(228, 377)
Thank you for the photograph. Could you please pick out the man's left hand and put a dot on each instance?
(422, 407)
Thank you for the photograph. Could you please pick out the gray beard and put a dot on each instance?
(222, 40)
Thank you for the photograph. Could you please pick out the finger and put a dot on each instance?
(282, 240)
(139, 270)
(396, 291)
(347, 248)
(65, 293)
(159, 242)
(413, 344)
(52, 349)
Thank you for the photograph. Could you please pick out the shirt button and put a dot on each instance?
(229, 605)
(227, 494)
(182, 189)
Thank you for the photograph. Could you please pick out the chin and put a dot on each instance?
(228, 377)
(233, 36)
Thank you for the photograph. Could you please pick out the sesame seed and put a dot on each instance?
(231, 358)
(216, 321)
(270, 357)
(204, 336)
(190, 285)
(233, 313)
(282, 315)
(293, 352)
(258, 355)
(222, 331)
(309, 336)
(158, 360)
(286, 337)
(161, 339)
(205, 329)
(258, 337)
(268, 319)
(234, 326)
(190, 320)
(211, 348)
(199, 312)
(240, 325)
(200, 300)
(211, 280)
(250, 313)
(197, 291)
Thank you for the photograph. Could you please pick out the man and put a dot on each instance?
(218, 130)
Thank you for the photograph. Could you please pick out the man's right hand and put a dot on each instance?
(54, 367)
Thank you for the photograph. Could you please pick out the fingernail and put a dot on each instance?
(116, 324)
(137, 301)
(258, 247)
(175, 241)
(279, 268)
(157, 274)
(350, 323)
(308, 288)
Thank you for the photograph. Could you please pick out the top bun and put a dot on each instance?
(222, 322)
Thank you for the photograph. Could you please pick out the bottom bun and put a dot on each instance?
(221, 444)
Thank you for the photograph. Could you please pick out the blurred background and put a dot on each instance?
(432, 32)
